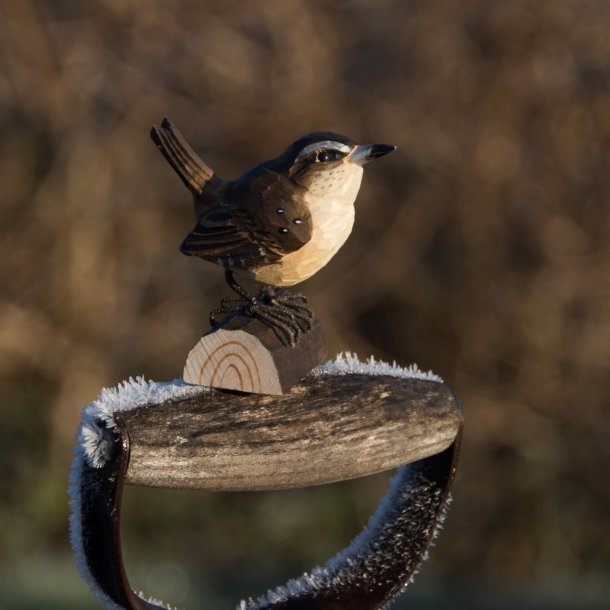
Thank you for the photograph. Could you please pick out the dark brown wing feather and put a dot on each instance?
(247, 230)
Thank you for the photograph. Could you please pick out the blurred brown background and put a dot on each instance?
(481, 251)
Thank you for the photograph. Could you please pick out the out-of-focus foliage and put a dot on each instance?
(481, 250)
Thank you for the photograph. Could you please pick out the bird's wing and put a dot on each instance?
(258, 223)
(193, 171)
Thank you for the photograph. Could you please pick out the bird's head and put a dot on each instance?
(324, 161)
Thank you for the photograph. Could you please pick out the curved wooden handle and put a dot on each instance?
(325, 429)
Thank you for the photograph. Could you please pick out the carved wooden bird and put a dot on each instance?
(278, 223)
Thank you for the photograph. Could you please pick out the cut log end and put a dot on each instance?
(246, 355)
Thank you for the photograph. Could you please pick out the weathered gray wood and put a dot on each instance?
(324, 429)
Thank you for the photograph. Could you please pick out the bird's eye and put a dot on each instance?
(325, 155)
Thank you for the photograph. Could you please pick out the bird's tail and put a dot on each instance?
(193, 171)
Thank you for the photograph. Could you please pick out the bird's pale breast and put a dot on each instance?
(331, 199)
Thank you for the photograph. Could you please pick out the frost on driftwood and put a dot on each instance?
(346, 419)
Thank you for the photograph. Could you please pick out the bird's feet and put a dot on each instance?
(288, 314)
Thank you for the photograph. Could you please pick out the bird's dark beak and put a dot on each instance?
(364, 153)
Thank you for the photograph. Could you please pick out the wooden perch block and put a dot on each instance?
(326, 429)
(244, 354)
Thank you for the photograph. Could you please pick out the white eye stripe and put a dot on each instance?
(329, 144)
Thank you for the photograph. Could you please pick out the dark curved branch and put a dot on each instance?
(95, 527)
(376, 566)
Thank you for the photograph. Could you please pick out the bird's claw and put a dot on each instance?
(287, 314)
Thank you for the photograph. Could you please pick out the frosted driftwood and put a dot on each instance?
(325, 429)
(330, 427)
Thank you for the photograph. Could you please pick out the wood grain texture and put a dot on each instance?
(246, 355)
(324, 429)
(233, 360)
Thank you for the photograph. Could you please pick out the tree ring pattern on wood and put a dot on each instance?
(234, 360)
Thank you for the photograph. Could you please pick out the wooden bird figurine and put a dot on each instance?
(278, 223)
